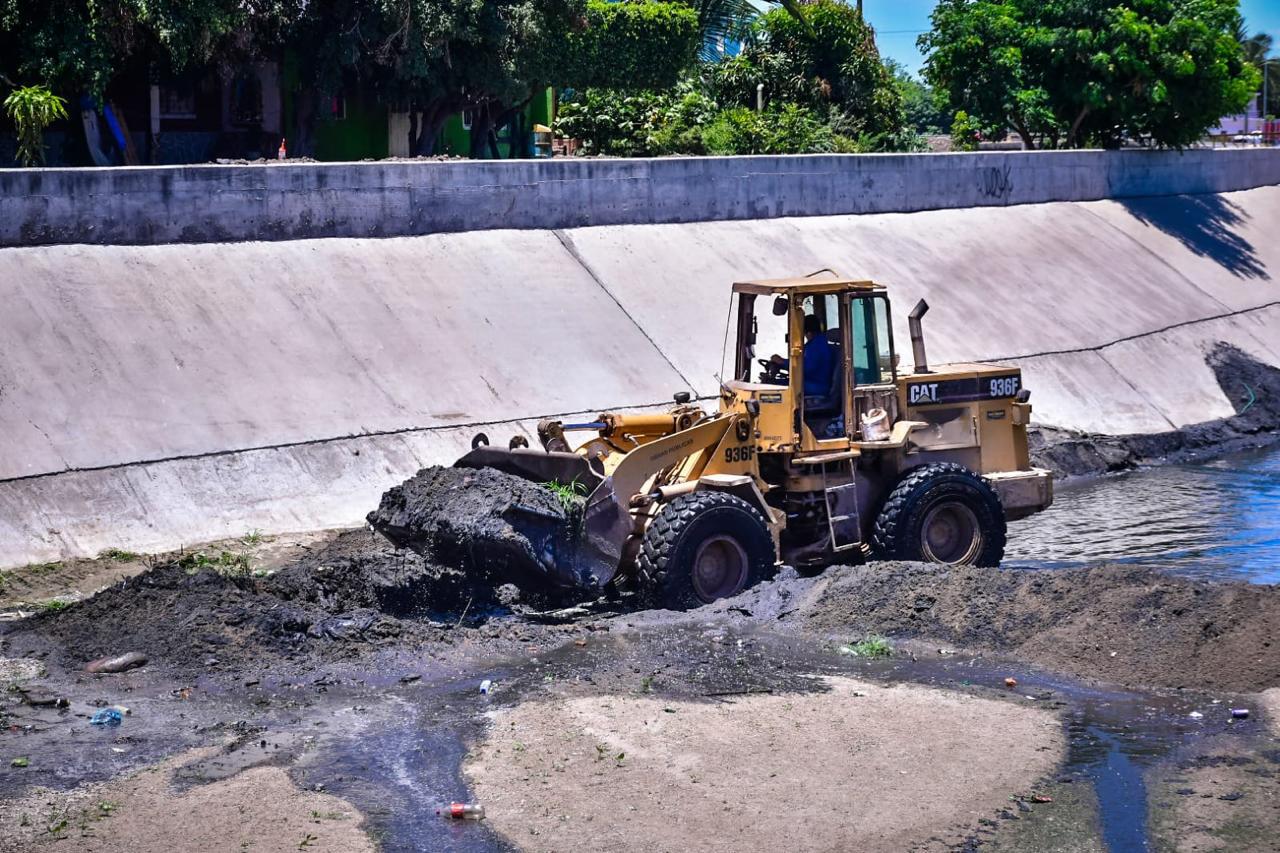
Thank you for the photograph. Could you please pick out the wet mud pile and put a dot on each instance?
(1252, 387)
(484, 523)
(198, 620)
(1118, 624)
(444, 544)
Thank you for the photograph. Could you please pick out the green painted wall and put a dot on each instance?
(360, 135)
(456, 139)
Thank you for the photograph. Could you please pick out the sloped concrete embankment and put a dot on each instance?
(156, 395)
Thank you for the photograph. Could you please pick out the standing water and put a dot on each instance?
(1218, 519)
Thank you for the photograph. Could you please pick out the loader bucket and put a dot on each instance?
(593, 559)
(539, 466)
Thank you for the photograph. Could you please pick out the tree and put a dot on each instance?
(919, 104)
(823, 58)
(435, 58)
(1257, 49)
(77, 46)
(721, 21)
(1072, 73)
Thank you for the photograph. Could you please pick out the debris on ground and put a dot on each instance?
(118, 663)
(107, 717)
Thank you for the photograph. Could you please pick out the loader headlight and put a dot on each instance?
(1024, 395)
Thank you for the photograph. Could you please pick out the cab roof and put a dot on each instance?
(806, 284)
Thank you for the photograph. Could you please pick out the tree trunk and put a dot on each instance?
(1021, 126)
(1075, 126)
(481, 124)
(303, 144)
(434, 115)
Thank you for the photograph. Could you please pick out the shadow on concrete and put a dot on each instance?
(1208, 225)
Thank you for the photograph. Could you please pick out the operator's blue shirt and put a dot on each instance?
(819, 364)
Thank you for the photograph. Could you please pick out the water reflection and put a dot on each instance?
(1219, 519)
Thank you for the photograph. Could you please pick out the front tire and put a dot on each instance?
(941, 513)
(702, 547)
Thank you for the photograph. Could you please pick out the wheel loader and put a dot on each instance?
(858, 460)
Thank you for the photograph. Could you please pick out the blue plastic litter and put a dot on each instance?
(107, 717)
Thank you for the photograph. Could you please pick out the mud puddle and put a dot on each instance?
(1115, 737)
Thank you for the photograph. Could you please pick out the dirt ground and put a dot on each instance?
(859, 767)
(1125, 625)
(260, 809)
(1223, 798)
(1270, 701)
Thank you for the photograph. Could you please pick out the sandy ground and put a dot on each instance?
(860, 767)
(1221, 798)
(1270, 701)
(260, 809)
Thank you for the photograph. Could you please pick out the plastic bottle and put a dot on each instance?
(283, 152)
(462, 811)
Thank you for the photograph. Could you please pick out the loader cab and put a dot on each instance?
(837, 330)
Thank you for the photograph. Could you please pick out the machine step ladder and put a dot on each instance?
(842, 509)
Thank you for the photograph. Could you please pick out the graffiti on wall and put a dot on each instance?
(994, 182)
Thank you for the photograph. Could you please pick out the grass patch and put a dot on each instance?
(874, 646)
(253, 537)
(226, 563)
(40, 568)
(53, 605)
(569, 495)
(118, 555)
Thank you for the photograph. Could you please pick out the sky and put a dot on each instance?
(899, 23)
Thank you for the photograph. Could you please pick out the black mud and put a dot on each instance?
(1253, 388)
(485, 523)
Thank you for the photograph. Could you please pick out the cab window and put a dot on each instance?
(872, 342)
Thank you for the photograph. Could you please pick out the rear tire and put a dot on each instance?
(702, 547)
(941, 513)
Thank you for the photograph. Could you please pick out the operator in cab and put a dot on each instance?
(819, 358)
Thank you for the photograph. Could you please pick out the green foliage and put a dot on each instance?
(720, 21)
(825, 59)
(825, 90)
(79, 45)
(630, 45)
(569, 495)
(688, 122)
(1077, 72)
(785, 129)
(32, 109)
(225, 563)
(118, 555)
(920, 106)
(1257, 50)
(874, 646)
(965, 133)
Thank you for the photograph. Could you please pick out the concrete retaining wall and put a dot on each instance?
(152, 396)
(191, 204)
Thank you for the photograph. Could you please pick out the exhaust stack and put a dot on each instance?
(917, 335)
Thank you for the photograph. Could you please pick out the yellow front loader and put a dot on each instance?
(858, 459)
